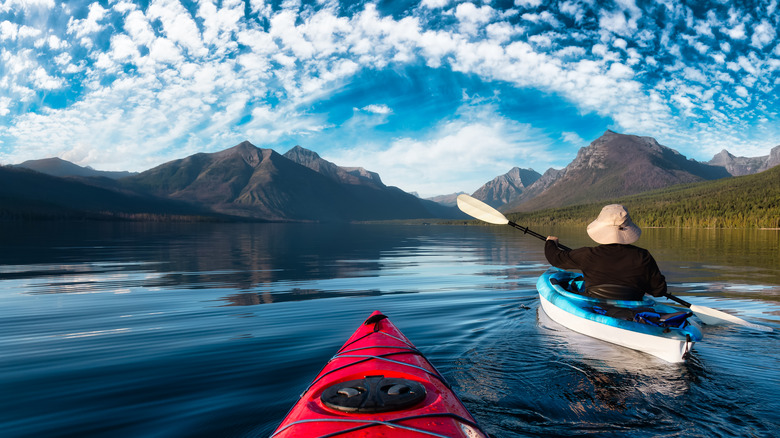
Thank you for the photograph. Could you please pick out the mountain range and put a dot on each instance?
(617, 165)
(739, 166)
(245, 182)
(240, 183)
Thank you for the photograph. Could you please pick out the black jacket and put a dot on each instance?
(613, 264)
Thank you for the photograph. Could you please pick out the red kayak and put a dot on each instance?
(379, 385)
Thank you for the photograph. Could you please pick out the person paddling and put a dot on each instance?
(615, 269)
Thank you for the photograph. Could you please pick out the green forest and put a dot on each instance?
(751, 201)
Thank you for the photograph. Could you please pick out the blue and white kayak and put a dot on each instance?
(661, 330)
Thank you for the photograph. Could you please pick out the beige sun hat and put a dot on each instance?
(614, 225)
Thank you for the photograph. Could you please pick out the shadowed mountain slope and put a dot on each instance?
(367, 189)
(30, 195)
(259, 183)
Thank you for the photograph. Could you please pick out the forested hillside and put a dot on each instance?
(751, 201)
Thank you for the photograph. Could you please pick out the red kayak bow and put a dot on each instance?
(379, 385)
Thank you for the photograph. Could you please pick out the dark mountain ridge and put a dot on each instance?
(58, 167)
(251, 182)
(29, 195)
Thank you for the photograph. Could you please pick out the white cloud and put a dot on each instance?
(123, 48)
(542, 17)
(437, 45)
(5, 104)
(138, 28)
(737, 32)
(704, 27)
(763, 34)
(542, 41)
(617, 23)
(694, 74)
(8, 30)
(12, 31)
(620, 43)
(28, 32)
(89, 25)
(573, 52)
(53, 41)
(163, 50)
(573, 10)
(178, 25)
(25, 5)
(283, 27)
(620, 71)
(472, 18)
(220, 23)
(621, 21)
(63, 58)
(502, 32)
(573, 138)
(433, 4)
(528, 3)
(377, 109)
(44, 81)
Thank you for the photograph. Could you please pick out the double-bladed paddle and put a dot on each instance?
(479, 210)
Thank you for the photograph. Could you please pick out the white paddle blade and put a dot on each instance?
(713, 317)
(479, 210)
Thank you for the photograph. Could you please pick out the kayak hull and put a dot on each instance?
(378, 384)
(575, 312)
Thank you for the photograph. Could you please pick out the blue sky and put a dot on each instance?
(437, 96)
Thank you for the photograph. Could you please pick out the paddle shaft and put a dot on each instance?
(678, 300)
(525, 230)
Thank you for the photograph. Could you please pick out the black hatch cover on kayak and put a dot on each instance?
(373, 394)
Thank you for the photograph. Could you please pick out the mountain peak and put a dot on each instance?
(722, 158)
(774, 158)
(244, 146)
(348, 175)
(301, 155)
(738, 166)
(251, 154)
(507, 187)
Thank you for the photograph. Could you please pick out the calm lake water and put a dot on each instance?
(202, 330)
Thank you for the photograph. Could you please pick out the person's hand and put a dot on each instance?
(552, 238)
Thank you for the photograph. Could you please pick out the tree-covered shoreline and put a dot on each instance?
(751, 201)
